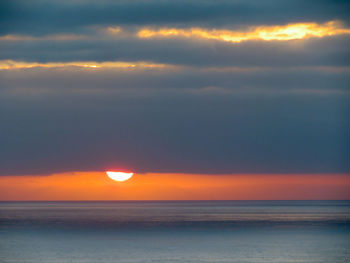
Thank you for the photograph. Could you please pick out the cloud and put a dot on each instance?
(198, 134)
(173, 120)
(59, 37)
(11, 64)
(78, 16)
(81, 90)
(328, 51)
(137, 76)
(268, 33)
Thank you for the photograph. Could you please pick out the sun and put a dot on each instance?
(119, 176)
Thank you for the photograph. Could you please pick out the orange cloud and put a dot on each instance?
(11, 64)
(279, 33)
(113, 30)
(97, 186)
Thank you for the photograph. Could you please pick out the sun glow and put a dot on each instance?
(119, 176)
(279, 33)
(89, 185)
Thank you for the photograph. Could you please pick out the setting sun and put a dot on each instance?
(119, 176)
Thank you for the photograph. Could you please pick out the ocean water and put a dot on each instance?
(185, 231)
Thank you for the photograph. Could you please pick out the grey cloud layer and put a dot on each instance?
(313, 52)
(173, 121)
(206, 134)
(250, 107)
(178, 80)
(39, 17)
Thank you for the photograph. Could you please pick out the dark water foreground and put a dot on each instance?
(204, 231)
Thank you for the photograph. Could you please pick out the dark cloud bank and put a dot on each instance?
(284, 110)
(150, 123)
(44, 17)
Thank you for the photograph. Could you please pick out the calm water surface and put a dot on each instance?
(205, 231)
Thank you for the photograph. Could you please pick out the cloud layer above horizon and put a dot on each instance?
(215, 87)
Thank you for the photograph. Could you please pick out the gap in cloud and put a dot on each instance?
(93, 185)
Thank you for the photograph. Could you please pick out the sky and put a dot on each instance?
(196, 95)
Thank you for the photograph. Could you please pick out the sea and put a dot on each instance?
(175, 232)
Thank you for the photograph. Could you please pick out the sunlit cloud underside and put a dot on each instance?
(12, 64)
(145, 65)
(267, 33)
